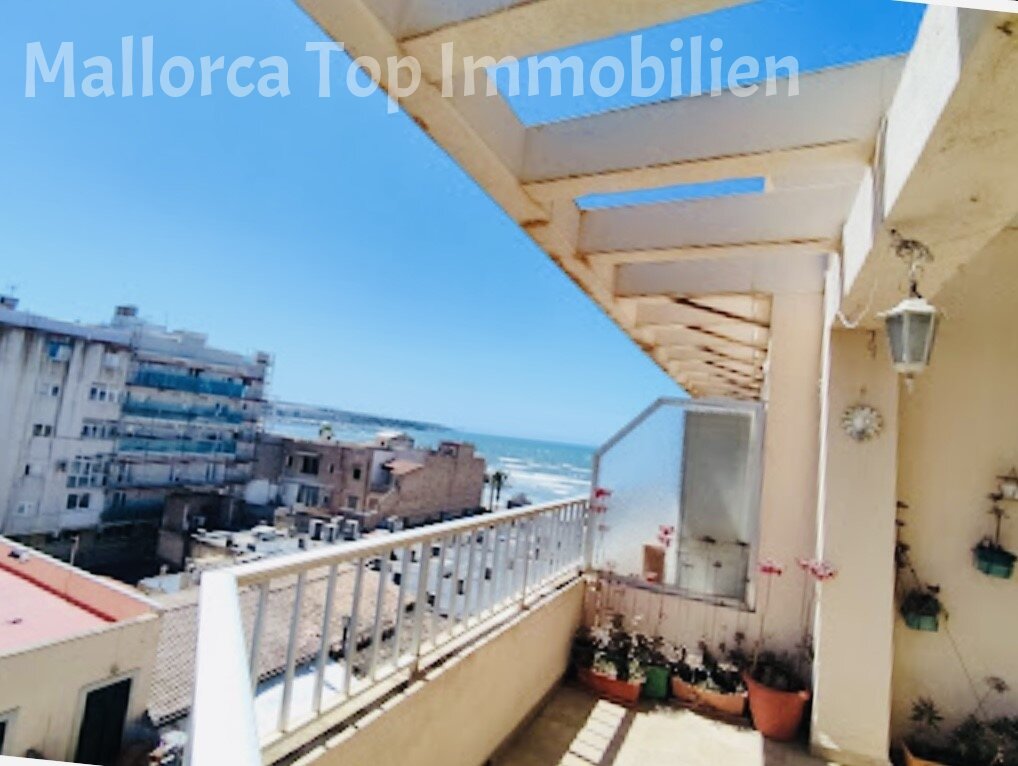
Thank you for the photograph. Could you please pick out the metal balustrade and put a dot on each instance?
(178, 382)
(325, 633)
(171, 411)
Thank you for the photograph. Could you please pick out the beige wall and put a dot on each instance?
(856, 510)
(463, 711)
(788, 500)
(46, 686)
(445, 483)
(959, 430)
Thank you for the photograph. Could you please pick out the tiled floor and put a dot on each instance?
(577, 729)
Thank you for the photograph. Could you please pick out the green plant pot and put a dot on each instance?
(925, 622)
(994, 563)
(656, 685)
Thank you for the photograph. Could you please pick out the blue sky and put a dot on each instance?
(326, 231)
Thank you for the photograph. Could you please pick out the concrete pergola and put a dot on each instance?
(693, 282)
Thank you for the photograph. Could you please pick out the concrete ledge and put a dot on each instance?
(461, 712)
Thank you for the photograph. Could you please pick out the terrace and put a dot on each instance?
(764, 307)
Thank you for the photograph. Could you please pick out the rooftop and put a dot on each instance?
(46, 601)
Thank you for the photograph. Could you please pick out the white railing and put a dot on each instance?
(290, 647)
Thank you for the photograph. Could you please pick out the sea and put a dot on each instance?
(543, 471)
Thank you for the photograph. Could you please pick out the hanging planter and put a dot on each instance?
(921, 608)
(990, 556)
(993, 560)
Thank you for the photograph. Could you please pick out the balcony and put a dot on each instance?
(293, 650)
(177, 382)
(169, 411)
(136, 444)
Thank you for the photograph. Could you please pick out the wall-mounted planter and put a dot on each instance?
(994, 562)
(925, 622)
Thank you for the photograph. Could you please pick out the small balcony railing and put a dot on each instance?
(290, 647)
(176, 382)
(135, 444)
(169, 411)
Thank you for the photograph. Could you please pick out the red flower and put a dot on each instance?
(601, 492)
(771, 567)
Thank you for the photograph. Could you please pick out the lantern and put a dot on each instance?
(912, 324)
(911, 329)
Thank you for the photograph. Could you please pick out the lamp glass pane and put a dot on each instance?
(896, 336)
(918, 336)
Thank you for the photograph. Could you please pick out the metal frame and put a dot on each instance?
(757, 412)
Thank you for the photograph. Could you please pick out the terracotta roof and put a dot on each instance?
(173, 679)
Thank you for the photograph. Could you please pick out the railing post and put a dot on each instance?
(351, 628)
(323, 650)
(222, 696)
(526, 562)
(421, 604)
(291, 654)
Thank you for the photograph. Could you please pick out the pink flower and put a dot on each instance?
(601, 493)
(806, 565)
(823, 571)
(771, 567)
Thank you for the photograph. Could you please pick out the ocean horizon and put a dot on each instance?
(544, 471)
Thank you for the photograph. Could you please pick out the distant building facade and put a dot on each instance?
(374, 484)
(101, 423)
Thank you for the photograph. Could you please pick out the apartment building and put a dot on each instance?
(390, 478)
(102, 422)
(189, 417)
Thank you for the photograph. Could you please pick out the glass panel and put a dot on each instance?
(684, 482)
(920, 331)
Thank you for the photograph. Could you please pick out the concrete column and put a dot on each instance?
(854, 618)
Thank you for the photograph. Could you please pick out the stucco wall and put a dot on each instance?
(959, 430)
(462, 712)
(45, 686)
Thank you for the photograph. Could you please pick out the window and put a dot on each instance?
(332, 467)
(40, 429)
(87, 472)
(47, 388)
(357, 471)
(28, 469)
(78, 502)
(58, 351)
(307, 495)
(100, 392)
(309, 464)
(352, 501)
(289, 461)
(98, 429)
(24, 508)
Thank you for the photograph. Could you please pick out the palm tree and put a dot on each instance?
(496, 482)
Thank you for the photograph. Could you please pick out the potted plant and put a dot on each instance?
(686, 678)
(921, 608)
(778, 695)
(778, 692)
(615, 671)
(654, 664)
(990, 557)
(723, 690)
(925, 745)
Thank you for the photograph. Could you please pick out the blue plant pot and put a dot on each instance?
(994, 563)
(925, 622)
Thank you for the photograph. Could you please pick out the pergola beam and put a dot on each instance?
(540, 26)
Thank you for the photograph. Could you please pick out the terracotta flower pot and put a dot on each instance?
(624, 692)
(914, 760)
(776, 714)
(729, 704)
(683, 691)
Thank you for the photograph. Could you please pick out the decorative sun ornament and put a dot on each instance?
(862, 422)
